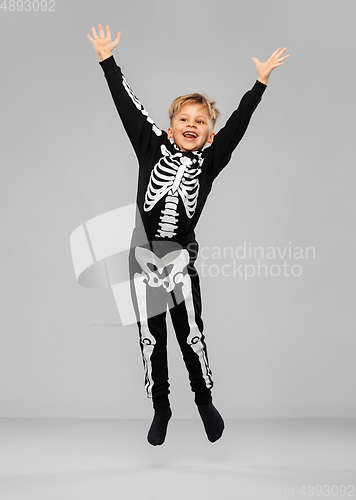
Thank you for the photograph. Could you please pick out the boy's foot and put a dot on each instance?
(157, 433)
(212, 420)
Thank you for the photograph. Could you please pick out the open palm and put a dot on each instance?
(104, 44)
(265, 69)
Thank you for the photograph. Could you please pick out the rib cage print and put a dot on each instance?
(173, 175)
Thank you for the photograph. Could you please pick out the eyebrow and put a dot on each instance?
(199, 116)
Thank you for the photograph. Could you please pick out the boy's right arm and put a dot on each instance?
(140, 128)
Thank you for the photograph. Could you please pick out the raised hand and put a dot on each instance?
(103, 44)
(265, 69)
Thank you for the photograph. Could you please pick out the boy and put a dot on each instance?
(176, 173)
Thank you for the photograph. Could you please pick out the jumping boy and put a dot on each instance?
(176, 172)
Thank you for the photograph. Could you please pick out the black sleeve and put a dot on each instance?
(141, 130)
(228, 137)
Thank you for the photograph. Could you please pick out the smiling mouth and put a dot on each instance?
(190, 135)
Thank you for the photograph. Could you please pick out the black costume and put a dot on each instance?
(173, 186)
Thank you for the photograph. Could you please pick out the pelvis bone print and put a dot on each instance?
(173, 175)
(165, 272)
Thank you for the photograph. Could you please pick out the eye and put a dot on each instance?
(183, 119)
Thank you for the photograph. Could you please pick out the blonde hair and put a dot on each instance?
(195, 98)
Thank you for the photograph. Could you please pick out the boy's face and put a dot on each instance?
(191, 128)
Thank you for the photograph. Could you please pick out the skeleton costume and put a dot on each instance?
(173, 186)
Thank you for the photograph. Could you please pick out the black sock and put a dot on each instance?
(212, 420)
(157, 433)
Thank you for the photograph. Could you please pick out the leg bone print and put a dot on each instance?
(179, 259)
(173, 174)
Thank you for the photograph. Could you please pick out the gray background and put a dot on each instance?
(278, 347)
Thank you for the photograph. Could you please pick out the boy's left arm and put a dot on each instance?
(227, 139)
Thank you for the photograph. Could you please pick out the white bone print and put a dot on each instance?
(173, 174)
(139, 106)
(178, 259)
(147, 339)
(194, 339)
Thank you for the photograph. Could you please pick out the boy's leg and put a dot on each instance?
(188, 325)
(147, 302)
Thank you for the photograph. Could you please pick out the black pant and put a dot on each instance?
(163, 275)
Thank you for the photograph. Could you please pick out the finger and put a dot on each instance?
(95, 35)
(101, 31)
(117, 39)
(274, 53)
(281, 52)
(108, 32)
(282, 58)
(90, 38)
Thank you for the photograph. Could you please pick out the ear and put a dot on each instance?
(211, 138)
(170, 133)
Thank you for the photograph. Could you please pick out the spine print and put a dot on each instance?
(170, 216)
